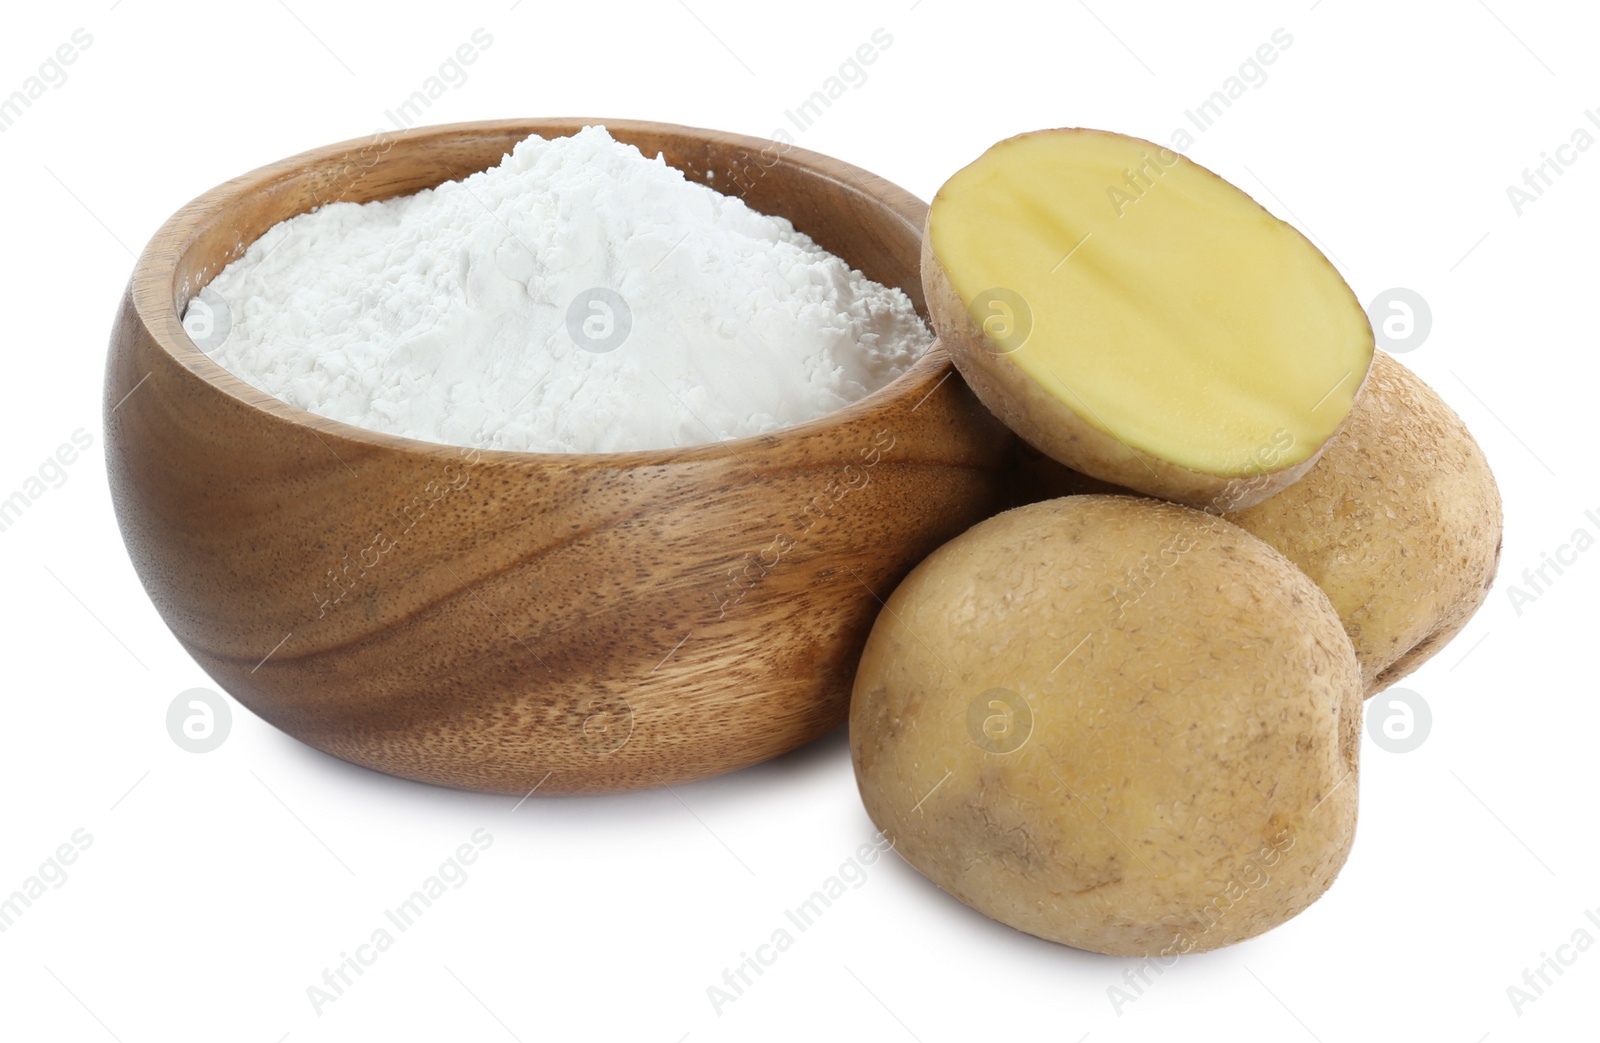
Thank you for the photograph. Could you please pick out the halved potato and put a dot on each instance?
(1141, 320)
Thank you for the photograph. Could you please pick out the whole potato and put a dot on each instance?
(1398, 522)
(1113, 722)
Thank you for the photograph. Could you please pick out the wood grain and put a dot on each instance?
(499, 621)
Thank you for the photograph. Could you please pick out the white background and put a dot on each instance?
(219, 886)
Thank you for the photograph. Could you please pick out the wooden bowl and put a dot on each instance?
(502, 621)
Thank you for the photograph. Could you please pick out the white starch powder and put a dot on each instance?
(576, 298)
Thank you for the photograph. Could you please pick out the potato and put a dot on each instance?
(1139, 319)
(1116, 723)
(1399, 523)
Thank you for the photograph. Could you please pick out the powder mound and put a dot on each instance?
(467, 313)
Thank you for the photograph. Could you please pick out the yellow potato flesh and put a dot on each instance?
(1168, 309)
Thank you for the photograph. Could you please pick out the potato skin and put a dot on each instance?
(1399, 523)
(1188, 775)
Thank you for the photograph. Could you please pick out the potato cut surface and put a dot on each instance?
(1157, 302)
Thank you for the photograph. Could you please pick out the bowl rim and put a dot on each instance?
(153, 287)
